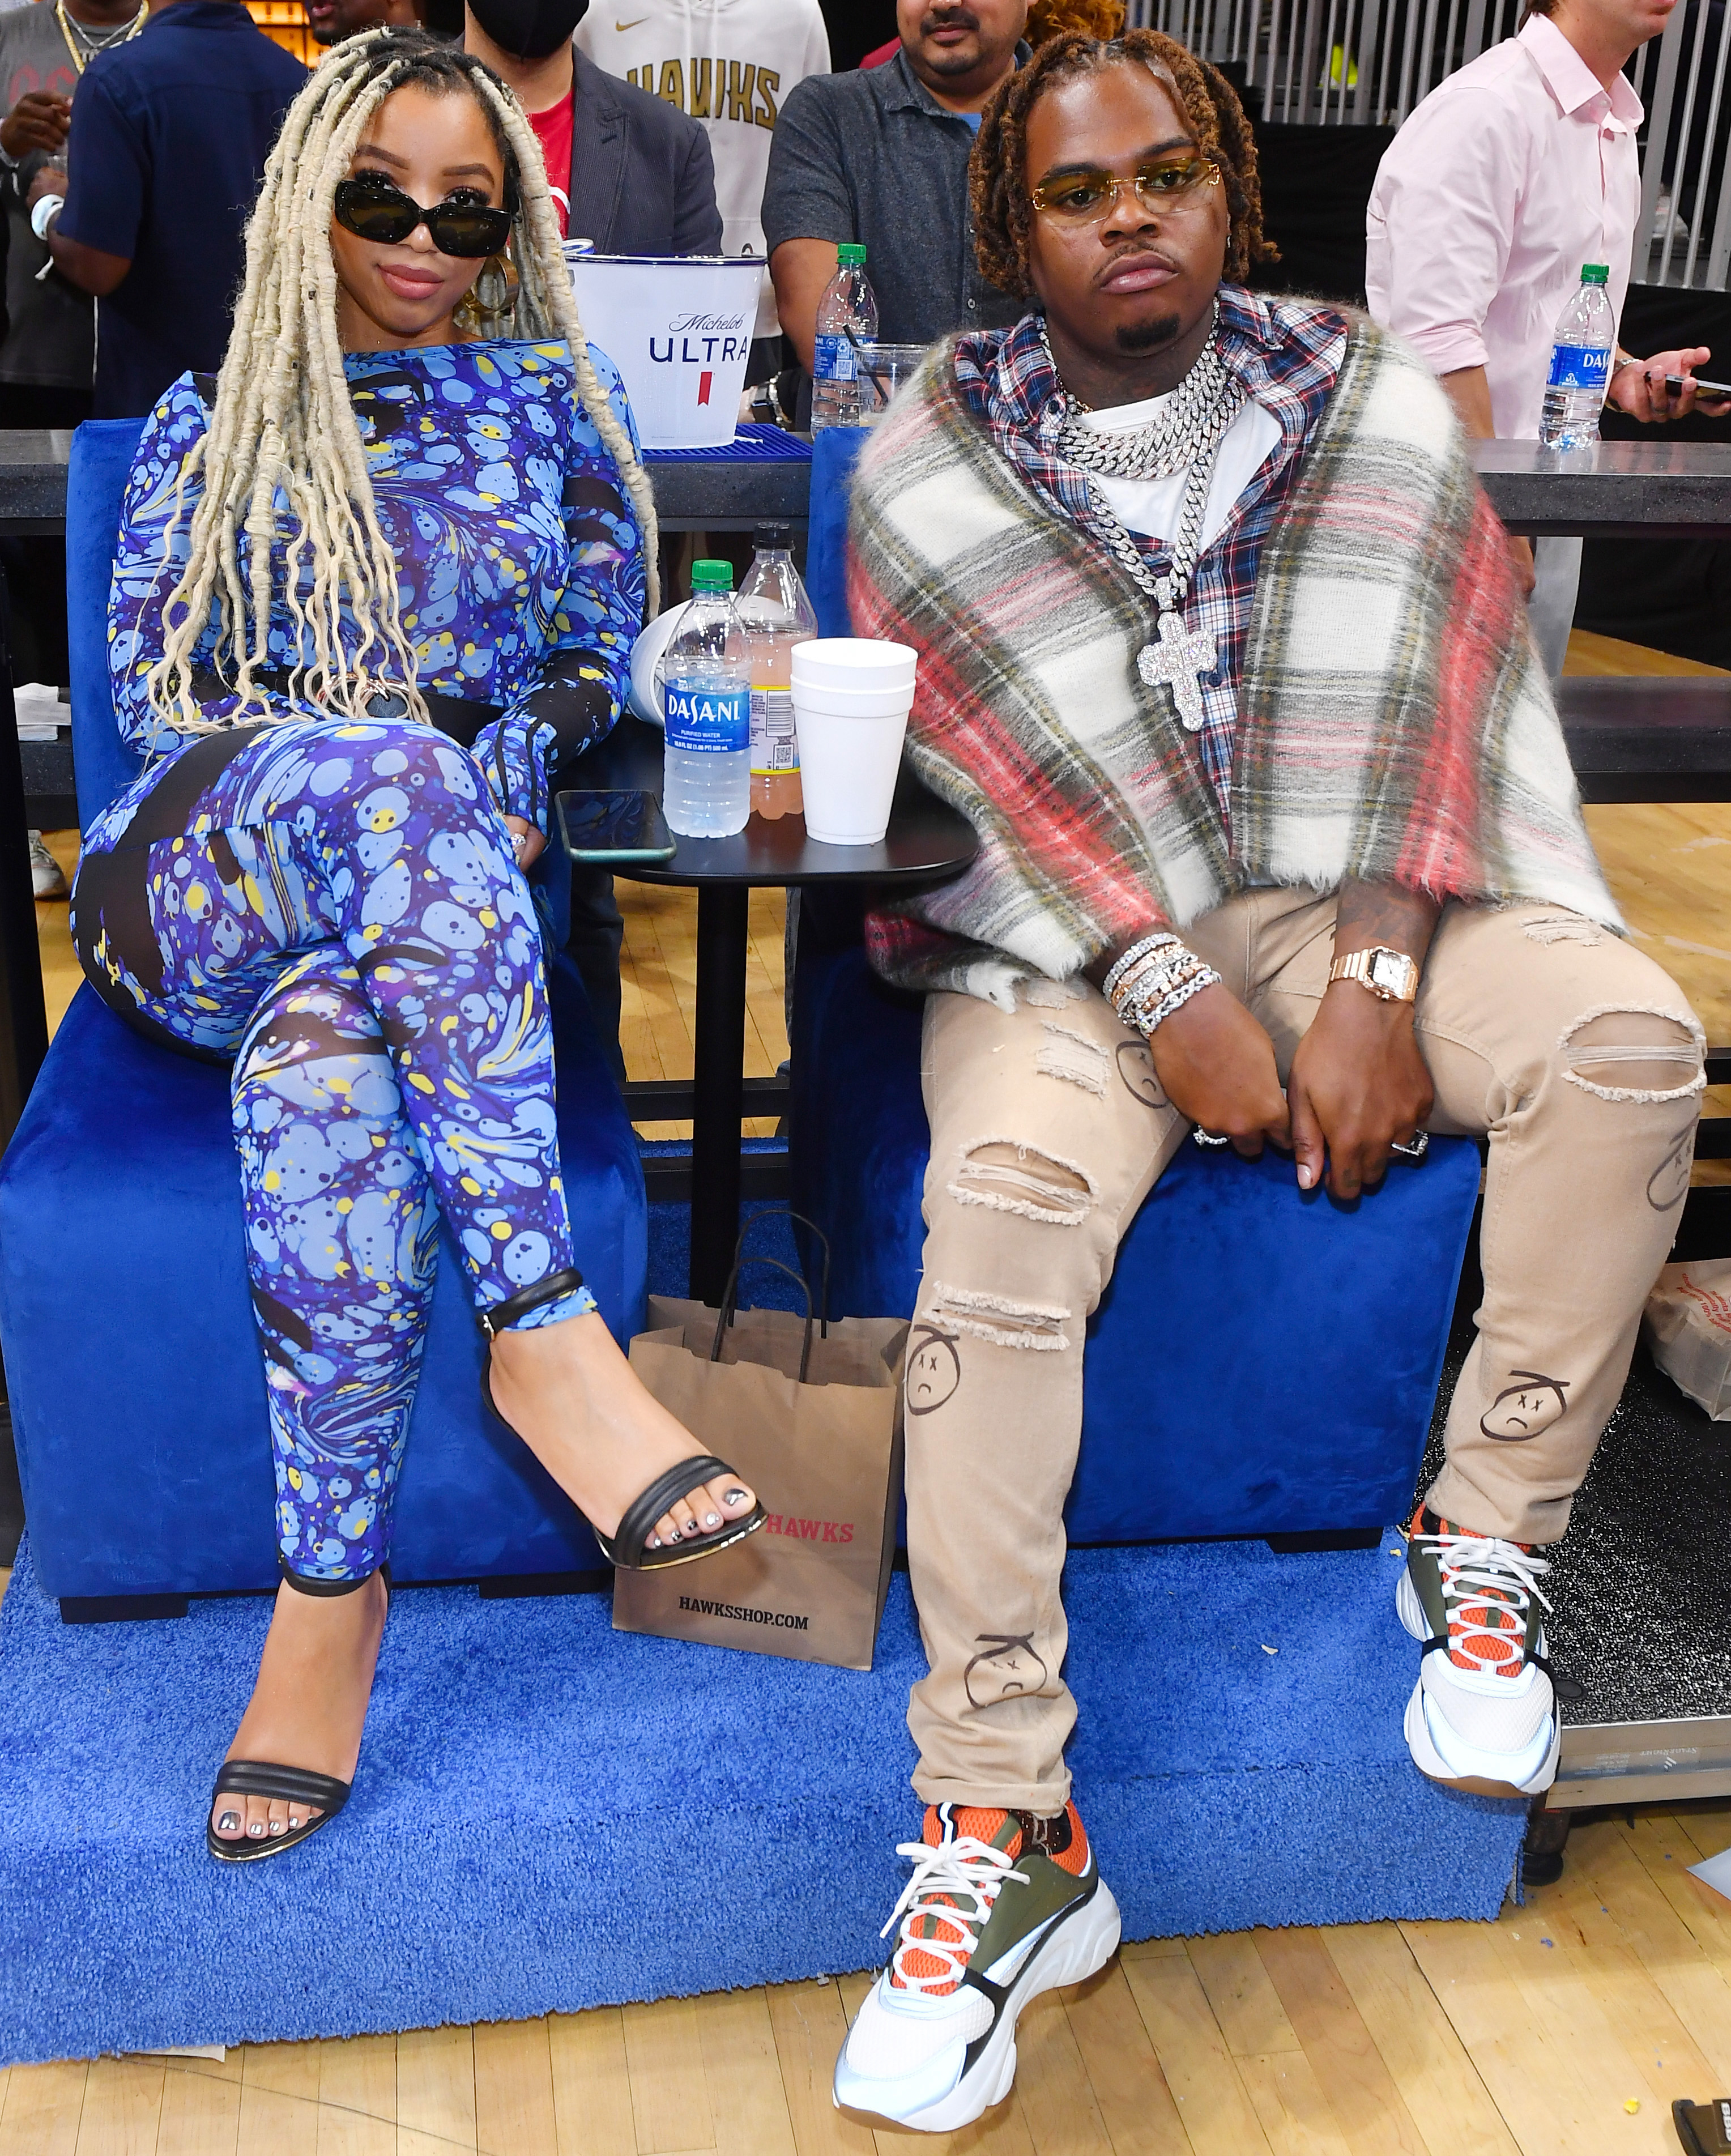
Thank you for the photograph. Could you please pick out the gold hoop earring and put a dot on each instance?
(491, 300)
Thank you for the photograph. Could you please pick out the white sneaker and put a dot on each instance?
(1001, 1907)
(1482, 1715)
(47, 878)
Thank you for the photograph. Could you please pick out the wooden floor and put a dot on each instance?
(1565, 2028)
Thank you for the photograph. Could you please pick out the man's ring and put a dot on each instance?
(1207, 1137)
(1415, 1148)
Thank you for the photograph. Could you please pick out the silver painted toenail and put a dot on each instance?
(256, 1829)
(653, 1542)
(736, 1497)
(277, 1826)
(228, 1823)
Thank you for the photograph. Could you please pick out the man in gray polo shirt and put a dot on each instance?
(880, 156)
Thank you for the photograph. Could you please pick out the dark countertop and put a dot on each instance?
(713, 494)
(1651, 490)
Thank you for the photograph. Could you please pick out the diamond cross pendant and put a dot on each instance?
(1180, 660)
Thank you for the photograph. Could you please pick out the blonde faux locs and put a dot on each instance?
(281, 424)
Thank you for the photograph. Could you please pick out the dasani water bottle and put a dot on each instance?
(849, 303)
(706, 702)
(1580, 365)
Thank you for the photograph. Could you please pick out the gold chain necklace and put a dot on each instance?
(79, 58)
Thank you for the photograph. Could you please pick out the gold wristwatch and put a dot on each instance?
(1389, 974)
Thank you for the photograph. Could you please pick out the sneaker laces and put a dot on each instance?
(1484, 1573)
(942, 1877)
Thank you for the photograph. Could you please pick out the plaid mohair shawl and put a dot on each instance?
(1395, 724)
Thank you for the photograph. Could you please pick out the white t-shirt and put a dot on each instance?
(729, 63)
(1153, 507)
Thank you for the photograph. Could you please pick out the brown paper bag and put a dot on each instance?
(1689, 1329)
(824, 1456)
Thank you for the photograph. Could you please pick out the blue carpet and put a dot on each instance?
(761, 1287)
(536, 1788)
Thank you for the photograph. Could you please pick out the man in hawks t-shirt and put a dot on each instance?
(729, 63)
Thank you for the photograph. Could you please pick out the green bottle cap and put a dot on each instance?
(849, 255)
(712, 575)
(1595, 273)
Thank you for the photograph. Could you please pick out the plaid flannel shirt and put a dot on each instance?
(1287, 359)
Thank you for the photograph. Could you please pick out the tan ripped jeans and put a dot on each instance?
(1574, 1054)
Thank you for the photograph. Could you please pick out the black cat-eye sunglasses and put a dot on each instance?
(377, 210)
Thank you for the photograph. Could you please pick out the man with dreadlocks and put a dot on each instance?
(1222, 652)
(370, 519)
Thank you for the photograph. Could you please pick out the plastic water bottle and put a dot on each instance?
(777, 614)
(707, 702)
(1580, 365)
(847, 303)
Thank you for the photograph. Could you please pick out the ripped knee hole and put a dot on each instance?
(1012, 1177)
(1627, 1050)
(1004, 1322)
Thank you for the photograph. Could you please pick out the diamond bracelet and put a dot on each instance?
(1163, 939)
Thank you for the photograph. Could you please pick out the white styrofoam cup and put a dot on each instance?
(851, 699)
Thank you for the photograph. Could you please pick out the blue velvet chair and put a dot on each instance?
(132, 1363)
(1265, 1361)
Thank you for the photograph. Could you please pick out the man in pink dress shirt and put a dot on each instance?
(1507, 179)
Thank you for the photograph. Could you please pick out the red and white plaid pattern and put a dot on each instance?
(1394, 725)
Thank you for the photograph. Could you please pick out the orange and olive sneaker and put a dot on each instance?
(1482, 1715)
(1002, 1906)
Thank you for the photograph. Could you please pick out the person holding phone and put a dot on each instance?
(412, 494)
(1507, 177)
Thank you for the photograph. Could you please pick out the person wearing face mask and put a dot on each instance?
(317, 880)
(881, 156)
(627, 170)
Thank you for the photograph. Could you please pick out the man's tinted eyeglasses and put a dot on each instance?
(1085, 196)
(377, 210)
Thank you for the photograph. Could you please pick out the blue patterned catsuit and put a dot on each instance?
(336, 906)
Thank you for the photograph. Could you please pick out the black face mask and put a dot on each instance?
(529, 29)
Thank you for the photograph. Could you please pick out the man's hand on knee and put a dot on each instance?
(1217, 1067)
(1357, 1086)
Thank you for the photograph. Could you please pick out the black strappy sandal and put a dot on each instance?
(288, 1785)
(627, 1547)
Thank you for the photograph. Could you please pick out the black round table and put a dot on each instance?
(927, 842)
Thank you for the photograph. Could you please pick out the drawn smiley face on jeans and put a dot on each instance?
(1532, 1403)
(934, 1368)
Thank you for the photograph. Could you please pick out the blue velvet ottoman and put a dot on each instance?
(132, 1362)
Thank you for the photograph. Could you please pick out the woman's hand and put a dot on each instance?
(1217, 1067)
(1357, 1083)
(527, 841)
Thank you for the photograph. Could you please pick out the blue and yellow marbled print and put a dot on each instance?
(337, 907)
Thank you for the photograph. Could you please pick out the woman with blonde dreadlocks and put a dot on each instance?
(366, 522)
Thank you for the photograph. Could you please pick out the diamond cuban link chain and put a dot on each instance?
(1185, 437)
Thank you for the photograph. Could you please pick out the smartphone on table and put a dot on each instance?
(613, 826)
